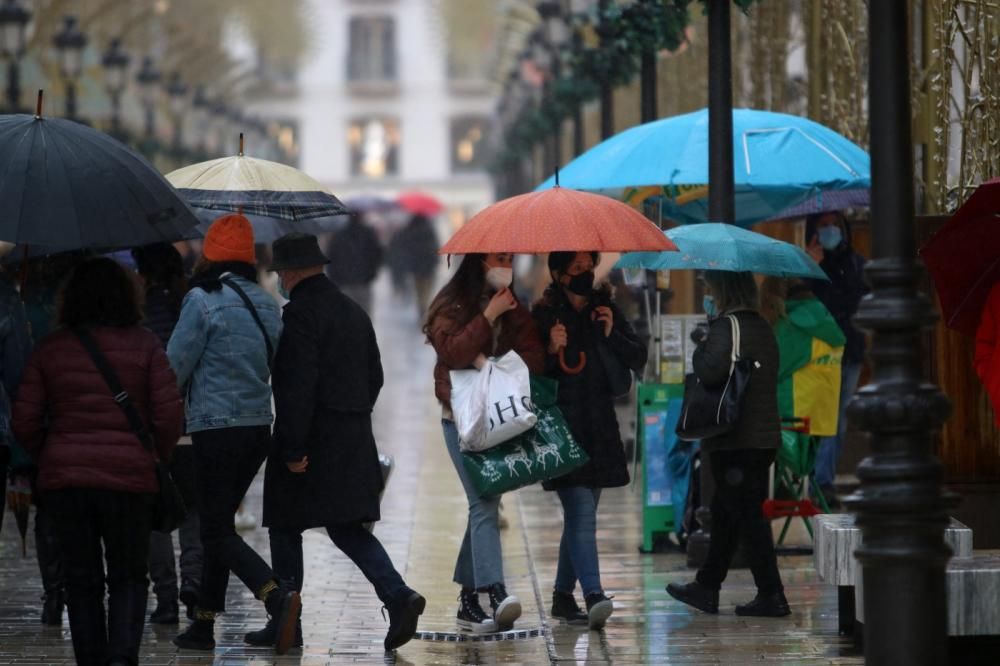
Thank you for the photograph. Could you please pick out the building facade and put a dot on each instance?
(384, 104)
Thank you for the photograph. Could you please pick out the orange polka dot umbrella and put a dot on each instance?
(558, 219)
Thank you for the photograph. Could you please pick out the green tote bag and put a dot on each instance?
(545, 452)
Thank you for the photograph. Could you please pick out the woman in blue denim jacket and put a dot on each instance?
(221, 350)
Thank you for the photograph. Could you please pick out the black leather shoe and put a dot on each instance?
(200, 635)
(565, 608)
(771, 605)
(265, 637)
(695, 595)
(403, 617)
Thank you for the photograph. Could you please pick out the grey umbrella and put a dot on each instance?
(64, 185)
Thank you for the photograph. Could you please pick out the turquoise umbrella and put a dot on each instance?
(726, 247)
(780, 161)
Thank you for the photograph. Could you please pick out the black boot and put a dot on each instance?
(284, 605)
(565, 608)
(50, 566)
(506, 607)
(599, 609)
(200, 635)
(167, 612)
(403, 616)
(766, 605)
(189, 597)
(471, 616)
(265, 637)
(696, 595)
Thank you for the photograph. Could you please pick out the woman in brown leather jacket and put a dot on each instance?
(476, 315)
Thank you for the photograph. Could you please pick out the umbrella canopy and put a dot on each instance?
(557, 220)
(67, 186)
(964, 258)
(260, 189)
(419, 203)
(725, 247)
(780, 161)
(269, 229)
(370, 203)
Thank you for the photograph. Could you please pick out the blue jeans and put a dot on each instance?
(830, 447)
(578, 547)
(480, 559)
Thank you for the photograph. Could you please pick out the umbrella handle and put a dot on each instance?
(579, 366)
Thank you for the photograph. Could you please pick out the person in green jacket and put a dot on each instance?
(811, 349)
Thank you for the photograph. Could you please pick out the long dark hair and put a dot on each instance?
(463, 290)
(207, 273)
(162, 267)
(733, 290)
(99, 293)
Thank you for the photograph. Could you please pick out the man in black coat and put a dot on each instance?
(323, 470)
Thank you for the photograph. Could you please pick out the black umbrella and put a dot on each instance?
(66, 186)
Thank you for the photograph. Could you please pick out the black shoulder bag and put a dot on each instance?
(168, 505)
(231, 283)
(710, 412)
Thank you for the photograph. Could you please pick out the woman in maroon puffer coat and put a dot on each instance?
(95, 474)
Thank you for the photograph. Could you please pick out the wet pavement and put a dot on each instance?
(424, 513)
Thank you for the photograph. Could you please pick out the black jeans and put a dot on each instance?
(741, 478)
(84, 520)
(356, 542)
(228, 460)
(162, 565)
(4, 462)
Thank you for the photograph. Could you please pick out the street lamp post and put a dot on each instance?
(900, 505)
(115, 62)
(177, 93)
(721, 206)
(69, 43)
(149, 78)
(200, 105)
(557, 35)
(13, 25)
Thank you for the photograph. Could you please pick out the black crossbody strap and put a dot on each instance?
(121, 396)
(229, 282)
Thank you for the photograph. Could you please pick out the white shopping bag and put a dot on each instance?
(492, 405)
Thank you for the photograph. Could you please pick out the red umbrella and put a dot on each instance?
(558, 219)
(964, 258)
(419, 203)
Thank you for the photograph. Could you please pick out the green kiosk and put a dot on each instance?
(665, 467)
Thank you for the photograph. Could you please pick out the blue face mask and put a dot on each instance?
(284, 292)
(830, 237)
(708, 305)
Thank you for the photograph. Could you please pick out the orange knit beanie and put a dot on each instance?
(230, 238)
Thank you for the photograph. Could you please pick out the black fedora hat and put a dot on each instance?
(296, 250)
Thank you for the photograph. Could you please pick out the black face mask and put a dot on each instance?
(581, 284)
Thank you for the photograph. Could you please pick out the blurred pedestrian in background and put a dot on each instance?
(474, 316)
(96, 476)
(221, 350)
(829, 242)
(419, 245)
(161, 269)
(355, 257)
(15, 346)
(582, 325)
(740, 459)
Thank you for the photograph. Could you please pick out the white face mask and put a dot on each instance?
(499, 278)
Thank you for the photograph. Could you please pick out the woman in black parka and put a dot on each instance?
(740, 459)
(582, 326)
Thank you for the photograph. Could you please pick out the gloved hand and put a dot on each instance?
(699, 334)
